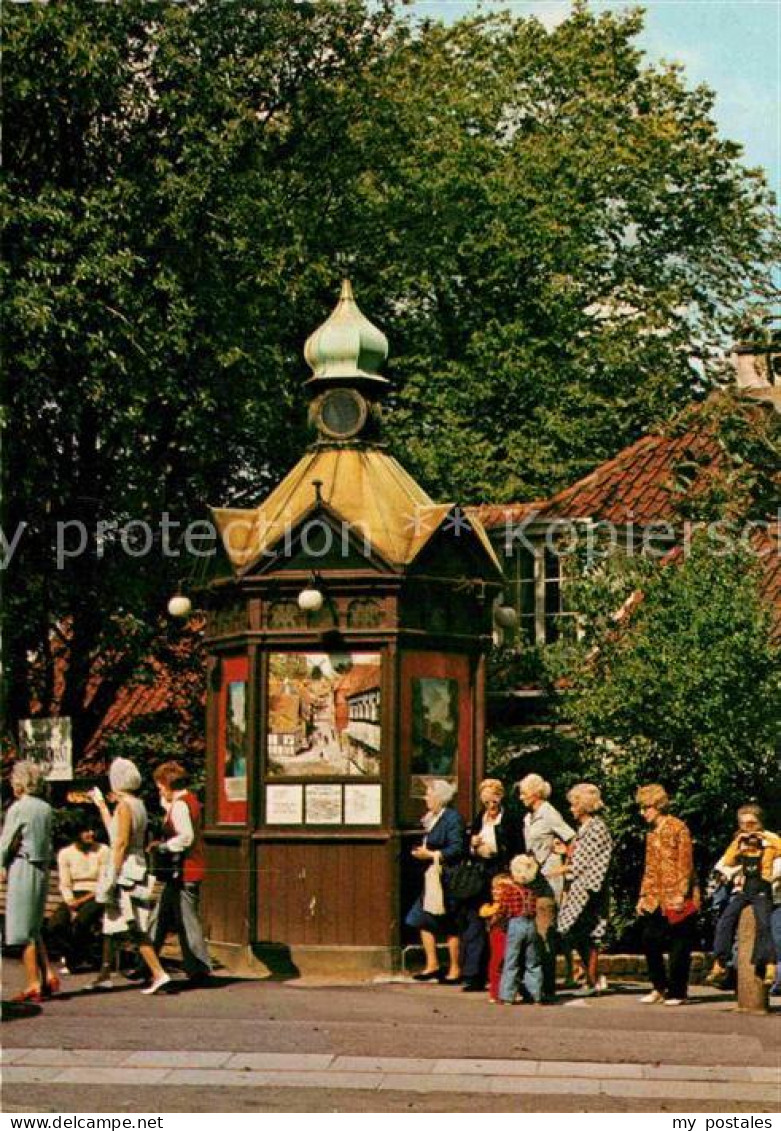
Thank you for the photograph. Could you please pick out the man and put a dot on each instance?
(74, 928)
(669, 898)
(178, 906)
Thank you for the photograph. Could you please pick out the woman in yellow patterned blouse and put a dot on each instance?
(669, 898)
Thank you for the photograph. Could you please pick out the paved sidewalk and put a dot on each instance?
(223, 1069)
(270, 1046)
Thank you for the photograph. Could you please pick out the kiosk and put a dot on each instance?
(346, 645)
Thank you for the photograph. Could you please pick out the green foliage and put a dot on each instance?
(684, 688)
(543, 224)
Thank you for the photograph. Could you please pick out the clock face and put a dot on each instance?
(342, 413)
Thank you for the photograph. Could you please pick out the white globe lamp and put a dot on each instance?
(180, 606)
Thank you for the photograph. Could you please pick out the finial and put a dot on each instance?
(347, 345)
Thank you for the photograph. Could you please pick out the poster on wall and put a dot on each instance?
(324, 714)
(284, 804)
(363, 805)
(231, 750)
(434, 737)
(323, 804)
(235, 779)
(48, 742)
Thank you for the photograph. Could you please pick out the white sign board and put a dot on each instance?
(48, 741)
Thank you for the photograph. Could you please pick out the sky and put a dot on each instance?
(734, 46)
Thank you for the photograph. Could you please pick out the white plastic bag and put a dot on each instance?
(433, 895)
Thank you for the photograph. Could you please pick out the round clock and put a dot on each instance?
(341, 413)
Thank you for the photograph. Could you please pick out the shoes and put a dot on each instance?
(444, 981)
(29, 995)
(51, 986)
(653, 998)
(675, 1001)
(473, 988)
(136, 974)
(716, 976)
(100, 983)
(586, 991)
(427, 976)
(64, 968)
(199, 979)
(158, 984)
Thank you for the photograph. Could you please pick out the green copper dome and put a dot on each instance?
(347, 346)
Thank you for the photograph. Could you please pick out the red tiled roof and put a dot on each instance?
(637, 485)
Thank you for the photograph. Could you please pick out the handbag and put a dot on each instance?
(433, 895)
(674, 917)
(466, 880)
(166, 866)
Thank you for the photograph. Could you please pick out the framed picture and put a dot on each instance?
(324, 715)
(232, 741)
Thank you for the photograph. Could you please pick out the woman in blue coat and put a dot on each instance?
(25, 853)
(443, 843)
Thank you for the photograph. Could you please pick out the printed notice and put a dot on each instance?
(284, 804)
(363, 804)
(324, 805)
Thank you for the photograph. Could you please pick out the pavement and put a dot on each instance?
(241, 1045)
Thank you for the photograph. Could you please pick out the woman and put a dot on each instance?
(72, 929)
(583, 915)
(542, 825)
(127, 887)
(25, 855)
(443, 844)
(495, 837)
(669, 898)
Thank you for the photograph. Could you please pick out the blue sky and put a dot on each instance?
(734, 46)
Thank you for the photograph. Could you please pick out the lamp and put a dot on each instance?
(179, 605)
(310, 599)
(505, 616)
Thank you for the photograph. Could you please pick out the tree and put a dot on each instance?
(683, 689)
(542, 223)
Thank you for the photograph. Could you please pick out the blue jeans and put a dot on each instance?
(775, 923)
(523, 944)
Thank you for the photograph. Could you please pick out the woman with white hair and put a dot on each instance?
(583, 915)
(443, 844)
(127, 887)
(25, 856)
(542, 825)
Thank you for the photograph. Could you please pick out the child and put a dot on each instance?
(496, 915)
(749, 860)
(518, 902)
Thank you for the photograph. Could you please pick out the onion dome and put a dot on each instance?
(347, 347)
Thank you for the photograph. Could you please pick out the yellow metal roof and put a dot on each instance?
(366, 488)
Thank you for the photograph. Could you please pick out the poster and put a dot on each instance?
(363, 805)
(48, 742)
(284, 805)
(235, 780)
(434, 731)
(324, 712)
(323, 805)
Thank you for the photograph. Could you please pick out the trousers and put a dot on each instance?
(764, 951)
(498, 944)
(177, 912)
(678, 939)
(523, 945)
